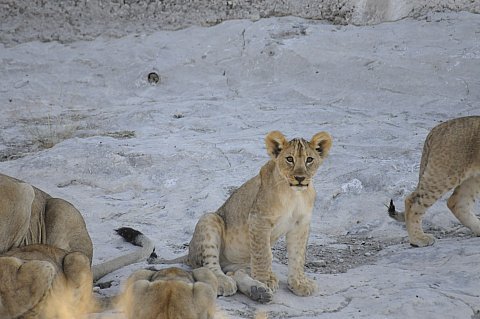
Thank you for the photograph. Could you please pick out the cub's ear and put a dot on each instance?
(321, 142)
(275, 142)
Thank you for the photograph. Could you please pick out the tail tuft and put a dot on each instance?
(153, 255)
(391, 208)
(153, 259)
(131, 235)
(135, 238)
(392, 212)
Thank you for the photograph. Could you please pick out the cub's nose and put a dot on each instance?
(299, 178)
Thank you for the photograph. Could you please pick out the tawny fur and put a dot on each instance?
(235, 242)
(48, 237)
(169, 294)
(43, 282)
(31, 216)
(450, 160)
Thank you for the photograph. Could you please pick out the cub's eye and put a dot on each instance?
(309, 159)
(289, 159)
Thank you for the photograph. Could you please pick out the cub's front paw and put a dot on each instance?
(271, 281)
(226, 286)
(302, 286)
(422, 240)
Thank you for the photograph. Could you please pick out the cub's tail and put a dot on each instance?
(393, 213)
(153, 259)
(134, 237)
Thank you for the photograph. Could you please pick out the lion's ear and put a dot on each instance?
(205, 275)
(321, 142)
(275, 142)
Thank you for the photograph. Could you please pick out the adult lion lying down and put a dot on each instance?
(45, 250)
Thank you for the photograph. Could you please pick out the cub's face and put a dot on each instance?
(298, 160)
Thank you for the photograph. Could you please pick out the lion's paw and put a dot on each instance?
(24, 284)
(422, 241)
(226, 286)
(302, 286)
(272, 282)
(261, 294)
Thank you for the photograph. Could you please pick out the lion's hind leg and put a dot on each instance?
(462, 201)
(416, 205)
(79, 284)
(433, 184)
(205, 249)
(16, 200)
(60, 214)
(254, 289)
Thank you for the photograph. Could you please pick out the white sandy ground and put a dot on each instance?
(156, 157)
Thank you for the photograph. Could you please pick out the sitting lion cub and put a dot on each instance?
(237, 239)
(450, 160)
(170, 293)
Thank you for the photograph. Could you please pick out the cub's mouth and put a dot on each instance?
(299, 185)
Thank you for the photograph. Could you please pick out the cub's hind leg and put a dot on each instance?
(205, 250)
(250, 287)
(461, 203)
(428, 191)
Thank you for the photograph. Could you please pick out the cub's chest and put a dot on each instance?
(297, 210)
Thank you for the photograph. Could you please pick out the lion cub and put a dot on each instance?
(450, 159)
(237, 239)
(170, 293)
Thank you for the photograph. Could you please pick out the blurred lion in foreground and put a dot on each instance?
(41, 281)
(46, 255)
(172, 293)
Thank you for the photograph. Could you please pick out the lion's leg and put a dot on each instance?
(205, 275)
(62, 218)
(205, 249)
(461, 203)
(428, 191)
(298, 283)
(260, 251)
(71, 294)
(250, 287)
(76, 267)
(205, 292)
(15, 211)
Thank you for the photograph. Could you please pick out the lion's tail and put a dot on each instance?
(153, 259)
(134, 237)
(393, 213)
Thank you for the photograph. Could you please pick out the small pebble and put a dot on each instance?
(153, 78)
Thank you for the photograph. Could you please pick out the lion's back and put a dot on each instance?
(453, 147)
